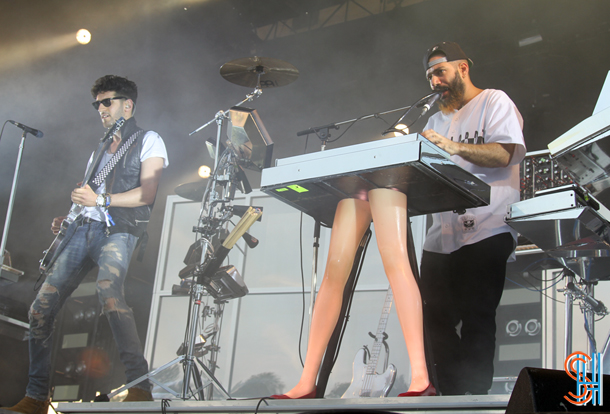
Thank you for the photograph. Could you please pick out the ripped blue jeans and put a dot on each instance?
(87, 248)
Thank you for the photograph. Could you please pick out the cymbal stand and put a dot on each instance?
(212, 337)
(215, 213)
(210, 221)
(220, 117)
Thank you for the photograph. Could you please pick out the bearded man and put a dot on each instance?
(465, 253)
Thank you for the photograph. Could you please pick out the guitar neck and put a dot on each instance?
(381, 327)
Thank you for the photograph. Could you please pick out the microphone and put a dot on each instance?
(27, 129)
(414, 112)
(320, 129)
(428, 103)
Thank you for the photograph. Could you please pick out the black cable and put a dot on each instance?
(164, 404)
(302, 276)
(560, 275)
(334, 344)
(259, 404)
(343, 133)
(40, 280)
(544, 259)
(302, 291)
(590, 335)
(2, 130)
(351, 297)
(535, 289)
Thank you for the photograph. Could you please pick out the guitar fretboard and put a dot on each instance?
(383, 323)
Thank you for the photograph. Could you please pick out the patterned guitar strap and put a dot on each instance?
(101, 176)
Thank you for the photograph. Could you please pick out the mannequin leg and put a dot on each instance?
(389, 211)
(352, 219)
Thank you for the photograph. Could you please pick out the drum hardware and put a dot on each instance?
(253, 72)
(248, 146)
(207, 278)
(210, 278)
(191, 191)
(259, 72)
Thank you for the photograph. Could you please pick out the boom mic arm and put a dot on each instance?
(414, 113)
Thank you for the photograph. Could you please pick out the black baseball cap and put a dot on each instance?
(451, 50)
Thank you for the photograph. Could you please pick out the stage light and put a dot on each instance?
(402, 130)
(83, 36)
(24, 53)
(204, 171)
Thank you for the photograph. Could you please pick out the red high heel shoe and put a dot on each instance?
(430, 391)
(303, 397)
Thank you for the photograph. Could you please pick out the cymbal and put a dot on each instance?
(246, 72)
(191, 191)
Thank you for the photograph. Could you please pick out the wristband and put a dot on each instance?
(103, 200)
(100, 201)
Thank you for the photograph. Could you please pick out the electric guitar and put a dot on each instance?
(365, 381)
(50, 255)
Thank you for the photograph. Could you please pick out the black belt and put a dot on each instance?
(87, 220)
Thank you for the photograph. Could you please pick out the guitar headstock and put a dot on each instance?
(116, 128)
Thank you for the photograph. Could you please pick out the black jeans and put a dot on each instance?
(464, 287)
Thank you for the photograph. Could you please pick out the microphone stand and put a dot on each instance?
(222, 115)
(11, 202)
(322, 132)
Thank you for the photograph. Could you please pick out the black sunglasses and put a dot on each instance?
(106, 102)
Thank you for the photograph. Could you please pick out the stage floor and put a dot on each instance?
(450, 404)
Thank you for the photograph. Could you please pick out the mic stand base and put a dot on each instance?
(188, 361)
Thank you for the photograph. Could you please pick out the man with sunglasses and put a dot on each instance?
(117, 201)
(465, 253)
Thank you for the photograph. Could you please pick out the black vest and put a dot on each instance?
(124, 177)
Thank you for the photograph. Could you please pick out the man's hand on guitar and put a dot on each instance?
(84, 196)
(56, 225)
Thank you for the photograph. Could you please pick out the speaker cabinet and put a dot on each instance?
(543, 390)
(85, 360)
(518, 322)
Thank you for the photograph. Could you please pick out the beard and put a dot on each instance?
(455, 98)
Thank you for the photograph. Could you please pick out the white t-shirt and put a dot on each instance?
(490, 117)
(152, 146)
